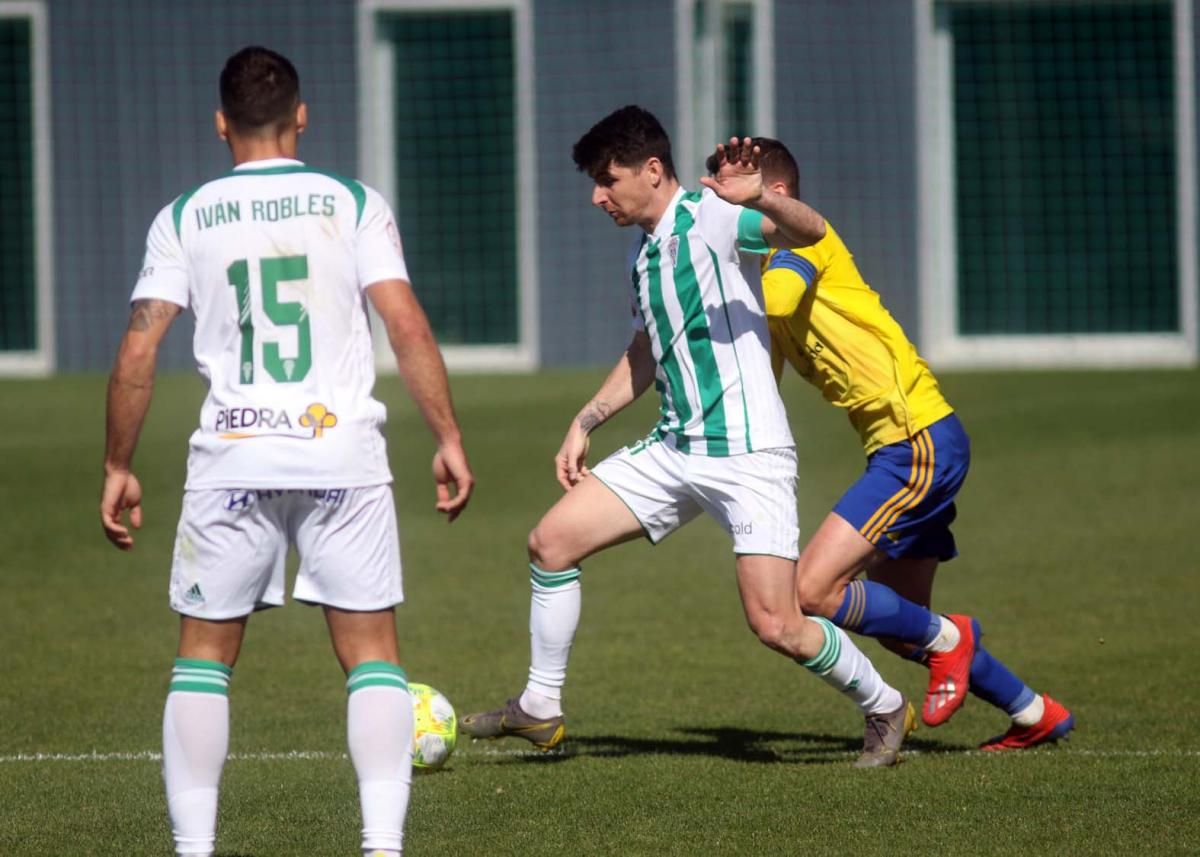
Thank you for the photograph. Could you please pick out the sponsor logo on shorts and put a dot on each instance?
(194, 595)
(766, 529)
(240, 500)
(324, 496)
(250, 423)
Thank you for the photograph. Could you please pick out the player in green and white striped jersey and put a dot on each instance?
(699, 314)
(722, 445)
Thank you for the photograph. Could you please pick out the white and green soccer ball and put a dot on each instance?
(435, 728)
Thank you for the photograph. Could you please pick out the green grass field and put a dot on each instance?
(687, 737)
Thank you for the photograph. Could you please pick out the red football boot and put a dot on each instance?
(1056, 722)
(950, 673)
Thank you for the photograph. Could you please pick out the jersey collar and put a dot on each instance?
(268, 163)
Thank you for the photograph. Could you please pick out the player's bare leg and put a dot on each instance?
(836, 554)
(204, 639)
(361, 636)
(379, 722)
(768, 590)
(824, 574)
(196, 728)
(831, 559)
(587, 519)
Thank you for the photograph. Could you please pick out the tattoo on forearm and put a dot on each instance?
(147, 312)
(595, 413)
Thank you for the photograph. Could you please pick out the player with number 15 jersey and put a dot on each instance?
(271, 258)
(277, 262)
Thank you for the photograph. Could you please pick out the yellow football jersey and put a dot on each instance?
(833, 328)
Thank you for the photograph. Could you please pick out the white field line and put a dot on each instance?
(154, 756)
(304, 755)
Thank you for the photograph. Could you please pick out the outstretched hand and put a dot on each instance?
(454, 481)
(122, 492)
(738, 178)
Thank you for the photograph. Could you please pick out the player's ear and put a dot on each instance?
(301, 118)
(654, 171)
(221, 125)
(780, 188)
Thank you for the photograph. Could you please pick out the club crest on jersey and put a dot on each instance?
(673, 249)
(249, 423)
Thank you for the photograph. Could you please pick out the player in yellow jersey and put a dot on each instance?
(894, 522)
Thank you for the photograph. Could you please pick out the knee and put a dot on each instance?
(817, 599)
(546, 552)
(536, 545)
(771, 629)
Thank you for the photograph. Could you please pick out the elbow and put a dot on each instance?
(819, 229)
(809, 232)
(408, 339)
(137, 352)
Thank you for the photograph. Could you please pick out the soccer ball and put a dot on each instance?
(435, 728)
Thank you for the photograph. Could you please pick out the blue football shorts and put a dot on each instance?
(904, 502)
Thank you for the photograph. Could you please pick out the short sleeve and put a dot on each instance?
(750, 235)
(380, 253)
(717, 220)
(164, 274)
(786, 275)
(730, 228)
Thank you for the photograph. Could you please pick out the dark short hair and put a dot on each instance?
(259, 89)
(627, 137)
(775, 161)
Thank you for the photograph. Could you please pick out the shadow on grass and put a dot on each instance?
(727, 742)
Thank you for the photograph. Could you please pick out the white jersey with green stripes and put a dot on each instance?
(272, 259)
(708, 329)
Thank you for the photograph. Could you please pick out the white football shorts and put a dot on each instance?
(231, 546)
(752, 496)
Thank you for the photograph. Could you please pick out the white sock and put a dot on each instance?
(195, 743)
(536, 705)
(947, 638)
(1032, 713)
(379, 731)
(843, 665)
(553, 618)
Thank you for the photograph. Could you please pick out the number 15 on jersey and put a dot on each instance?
(271, 272)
